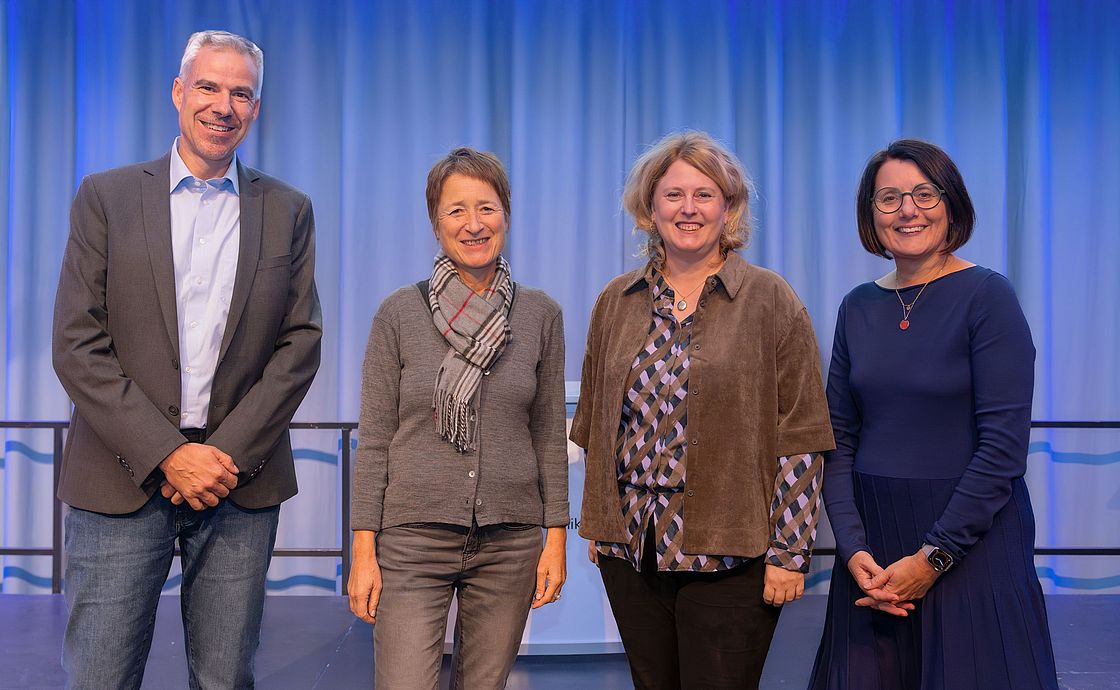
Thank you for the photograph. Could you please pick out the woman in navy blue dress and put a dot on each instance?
(930, 392)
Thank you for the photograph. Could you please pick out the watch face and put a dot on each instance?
(940, 560)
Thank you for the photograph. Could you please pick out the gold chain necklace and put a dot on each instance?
(907, 308)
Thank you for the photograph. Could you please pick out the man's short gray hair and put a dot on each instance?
(223, 39)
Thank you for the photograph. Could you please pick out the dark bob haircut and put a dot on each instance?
(936, 165)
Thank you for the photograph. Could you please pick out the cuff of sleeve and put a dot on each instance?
(787, 558)
(138, 474)
(556, 514)
(845, 551)
(370, 520)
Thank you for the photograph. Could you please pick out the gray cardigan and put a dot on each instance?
(404, 472)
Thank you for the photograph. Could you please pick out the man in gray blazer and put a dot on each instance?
(186, 330)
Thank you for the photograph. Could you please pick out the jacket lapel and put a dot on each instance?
(249, 250)
(156, 204)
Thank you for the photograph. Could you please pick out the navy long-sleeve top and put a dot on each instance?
(948, 398)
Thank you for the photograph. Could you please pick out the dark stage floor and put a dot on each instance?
(314, 642)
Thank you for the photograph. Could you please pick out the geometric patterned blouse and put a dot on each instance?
(652, 461)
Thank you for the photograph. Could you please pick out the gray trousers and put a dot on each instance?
(492, 572)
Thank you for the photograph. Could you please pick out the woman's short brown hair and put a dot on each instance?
(941, 171)
(477, 165)
(702, 152)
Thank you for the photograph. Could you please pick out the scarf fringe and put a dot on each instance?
(453, 420)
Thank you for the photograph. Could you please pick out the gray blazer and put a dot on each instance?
(116, 342)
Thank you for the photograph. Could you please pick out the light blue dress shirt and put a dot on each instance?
(205, 234)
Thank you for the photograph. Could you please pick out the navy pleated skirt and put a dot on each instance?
(982, 625)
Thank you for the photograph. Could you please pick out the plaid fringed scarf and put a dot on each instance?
(477, 329)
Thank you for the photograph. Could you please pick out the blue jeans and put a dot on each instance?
(116, 566)
(492, 571)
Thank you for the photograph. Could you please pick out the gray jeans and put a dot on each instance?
(491, 570)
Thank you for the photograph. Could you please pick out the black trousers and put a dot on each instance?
(691, 630)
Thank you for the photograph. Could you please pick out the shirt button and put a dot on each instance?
(478, 502)
(471, 474)
(198, 281)
(202, 240)
(187, 369)
(194, 324)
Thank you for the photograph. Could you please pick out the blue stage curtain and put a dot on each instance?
(360, 97)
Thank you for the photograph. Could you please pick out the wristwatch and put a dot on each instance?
(938, 559)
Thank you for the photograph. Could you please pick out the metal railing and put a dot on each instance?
(346, 430)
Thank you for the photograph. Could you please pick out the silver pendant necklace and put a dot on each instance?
(682, 302)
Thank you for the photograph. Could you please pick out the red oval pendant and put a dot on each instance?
(903, 324)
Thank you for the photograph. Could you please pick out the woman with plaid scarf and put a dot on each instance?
(461, 454)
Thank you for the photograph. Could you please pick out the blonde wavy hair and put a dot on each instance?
(704, 153)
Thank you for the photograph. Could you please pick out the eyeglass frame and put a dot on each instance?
(901, 194)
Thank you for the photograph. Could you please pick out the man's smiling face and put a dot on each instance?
(217, 103)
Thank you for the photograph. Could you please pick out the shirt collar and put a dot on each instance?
(180, 172)
(731, 276)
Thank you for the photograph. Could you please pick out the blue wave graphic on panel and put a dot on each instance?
(27, 451)
(272, 585)
(1046, 573)
(817, 578)
(1078, 582)
(1073, 458)
(27, 576)
(46, 458)
(316, 455)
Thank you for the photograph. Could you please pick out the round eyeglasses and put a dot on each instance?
(925, 197)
